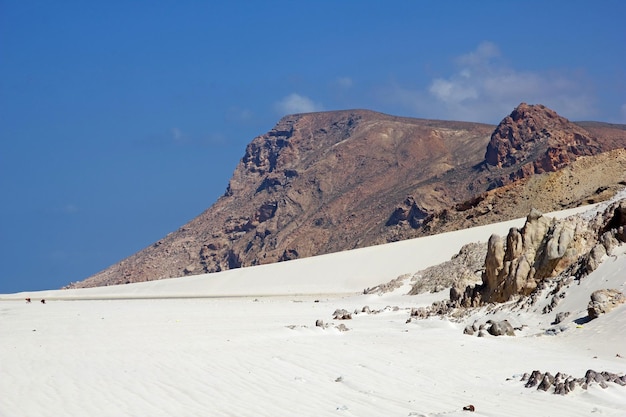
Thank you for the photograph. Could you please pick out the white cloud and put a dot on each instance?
(295, 103)
(483, 53)
(484, 89)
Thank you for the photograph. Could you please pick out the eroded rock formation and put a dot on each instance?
(542, 249)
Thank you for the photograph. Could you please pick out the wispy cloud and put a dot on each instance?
(344, 82)
(623, 113)
(177, 135)
(483, 88)
(68, 209)
(296, 103)
(239, 115)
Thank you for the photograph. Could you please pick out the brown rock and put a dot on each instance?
(331, 181)
(603, 301)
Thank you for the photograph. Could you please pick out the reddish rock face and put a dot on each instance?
(534, 139)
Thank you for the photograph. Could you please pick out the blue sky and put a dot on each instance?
(122, 120)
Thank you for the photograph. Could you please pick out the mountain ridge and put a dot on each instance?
(330, 181)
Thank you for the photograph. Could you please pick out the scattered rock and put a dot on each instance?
(563, 384)
(342, 314)
(553, 331)
(560, 317)
(342, 327)
(546, 382)
(500, 328)
(394, 284)
(469, 408)
(603, 301)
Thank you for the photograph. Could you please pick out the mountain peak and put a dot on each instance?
(535, 139)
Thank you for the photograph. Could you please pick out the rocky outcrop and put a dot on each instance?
(534, 139)
(562, 383)
(542, 249)
(462, 270)
(500, 328)
(603, 301)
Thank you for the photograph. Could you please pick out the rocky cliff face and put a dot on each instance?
(534, 140)
(331, 181)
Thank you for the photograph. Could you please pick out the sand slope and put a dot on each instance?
(137, 350)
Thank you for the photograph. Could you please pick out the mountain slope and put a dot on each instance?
(331, 181)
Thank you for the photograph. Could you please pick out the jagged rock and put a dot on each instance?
(528, 256)
(560, 317)
(342, 314)
(319, 323)
(409, 212)
(532, 129)
(420, 312)
(603, 301)
(546, 382)
(542, 249)
(564, 384)
(595, 257)
(535, 378)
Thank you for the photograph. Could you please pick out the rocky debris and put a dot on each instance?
(390, 286)
(553, 331)
(421, 312)
(462, 270)
(368, 310)
(562, 383)
(342, 314)
(470, 329)
(560, 317)
(603, 301)
(494, 328)
(342, 327)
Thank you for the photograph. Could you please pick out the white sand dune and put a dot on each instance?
(247, 345)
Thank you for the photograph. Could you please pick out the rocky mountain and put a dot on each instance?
(331, 181)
